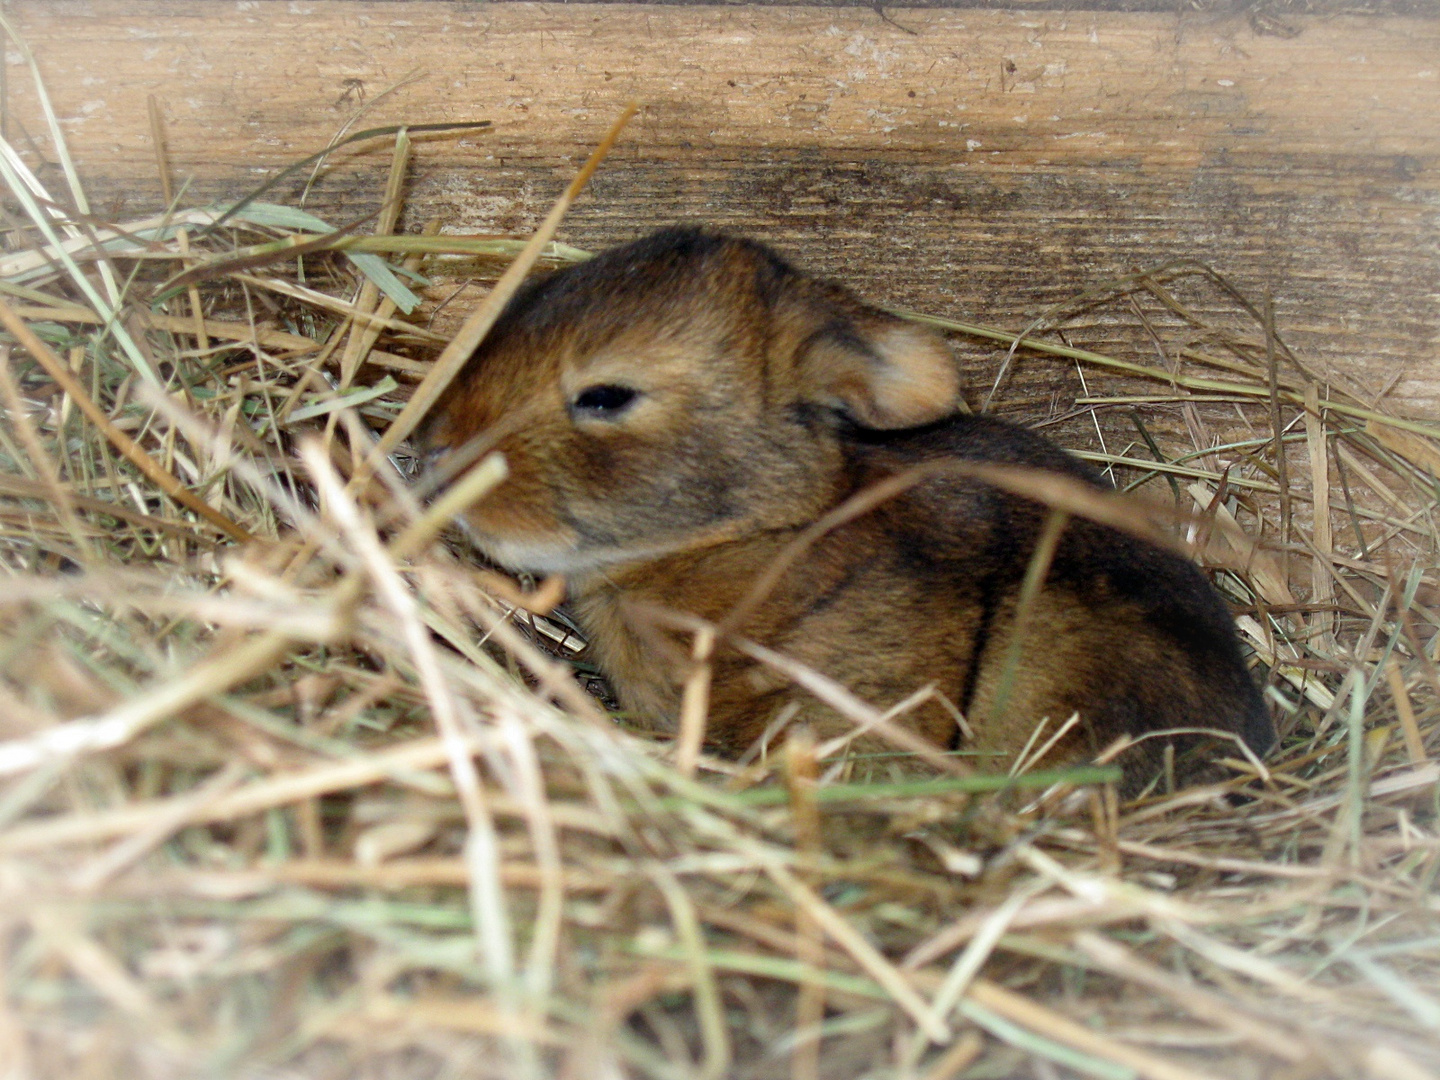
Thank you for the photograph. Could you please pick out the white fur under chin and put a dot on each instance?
(542, 557)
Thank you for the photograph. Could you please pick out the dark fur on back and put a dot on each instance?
(1172, 602)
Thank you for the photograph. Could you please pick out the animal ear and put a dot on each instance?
(881, 372)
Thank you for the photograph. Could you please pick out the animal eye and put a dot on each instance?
(604, 402)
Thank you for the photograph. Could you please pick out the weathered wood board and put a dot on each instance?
(966, 162)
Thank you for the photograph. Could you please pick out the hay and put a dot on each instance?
(289, 788)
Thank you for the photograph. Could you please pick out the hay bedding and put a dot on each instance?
(289, 788)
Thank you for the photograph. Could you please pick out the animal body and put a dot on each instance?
(676, 411)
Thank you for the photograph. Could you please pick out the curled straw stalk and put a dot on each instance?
(355, 821)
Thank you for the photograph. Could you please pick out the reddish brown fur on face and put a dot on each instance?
(675, 411)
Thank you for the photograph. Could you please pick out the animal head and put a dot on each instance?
(681, 390)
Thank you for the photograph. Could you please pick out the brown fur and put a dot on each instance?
(675, 411)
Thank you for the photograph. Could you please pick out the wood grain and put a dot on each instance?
(967, 162)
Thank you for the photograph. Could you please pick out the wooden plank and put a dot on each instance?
(967, 162)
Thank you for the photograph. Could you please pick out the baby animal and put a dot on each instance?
(675, 411)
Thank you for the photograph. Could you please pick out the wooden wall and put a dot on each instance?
(977, 163)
